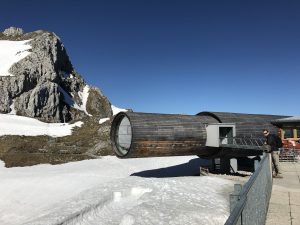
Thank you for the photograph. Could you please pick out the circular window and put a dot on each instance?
(123, 136)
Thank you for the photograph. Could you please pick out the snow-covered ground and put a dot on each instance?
(20, 125)
(102, 191)
(10, 53)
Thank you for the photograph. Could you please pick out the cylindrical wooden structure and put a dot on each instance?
(148, 134)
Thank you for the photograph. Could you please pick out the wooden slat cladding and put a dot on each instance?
(166, 148)
(164, 134)
(173, 135)
(247, 125)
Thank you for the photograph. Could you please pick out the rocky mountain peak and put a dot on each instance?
(41, 81)
(13, 31)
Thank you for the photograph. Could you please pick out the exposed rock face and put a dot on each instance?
(98, 104)
(45, 84)
(13, 31)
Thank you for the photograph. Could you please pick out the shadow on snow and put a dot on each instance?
(191, 168)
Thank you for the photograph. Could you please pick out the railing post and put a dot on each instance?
(256, 164)
(233, 165)
(235, 196)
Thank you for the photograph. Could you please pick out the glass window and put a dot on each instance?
(288, 133)
(123, 136)
(298, 133)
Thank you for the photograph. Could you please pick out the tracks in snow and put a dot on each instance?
(111, 210)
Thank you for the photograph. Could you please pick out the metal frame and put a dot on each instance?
(250, 205)
(244, 143)
(289, 155)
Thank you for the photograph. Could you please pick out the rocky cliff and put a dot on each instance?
(44, 84)
(38, 80)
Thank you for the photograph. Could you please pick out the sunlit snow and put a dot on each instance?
(103, 120)
(84, 97)
(10, 53)
(113, 191)
(20, 125)
(116, 110)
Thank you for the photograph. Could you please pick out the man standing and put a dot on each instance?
(271, 141)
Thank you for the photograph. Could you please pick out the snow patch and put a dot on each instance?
(12, 108)
(12, 52)
(103, 120)
(116, 110)
(83, 95)
(66, 75)
(20, 125)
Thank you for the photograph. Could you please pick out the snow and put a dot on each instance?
(103, 120)
(20, 125)
(113, 191)
(83, 96)
(116, 110)
(10, 53)
(12, 108)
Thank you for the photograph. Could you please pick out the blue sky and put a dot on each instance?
(170, 56)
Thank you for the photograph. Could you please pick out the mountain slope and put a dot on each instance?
(37, 79)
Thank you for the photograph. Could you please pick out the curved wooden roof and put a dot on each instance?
(247, 125)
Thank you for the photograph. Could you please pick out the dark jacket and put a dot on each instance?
(271, 140)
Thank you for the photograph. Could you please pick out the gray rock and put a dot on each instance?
(13, 31)
(98, 104)
(43, 102)
(45, 84)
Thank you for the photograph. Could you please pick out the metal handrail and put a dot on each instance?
(235, 215)
(252, 179)
(237, 212)
(244, 141)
